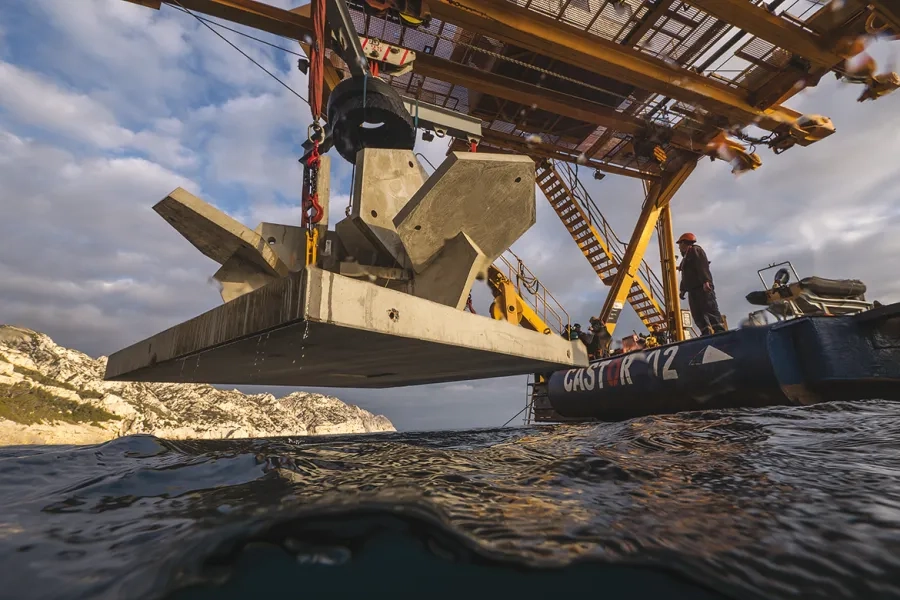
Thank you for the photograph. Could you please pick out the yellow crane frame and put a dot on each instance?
(592, 84)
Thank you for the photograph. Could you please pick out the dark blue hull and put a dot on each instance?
(799, 362)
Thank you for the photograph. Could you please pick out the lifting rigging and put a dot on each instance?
(638, 88)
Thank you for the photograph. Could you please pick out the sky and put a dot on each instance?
(117, 105)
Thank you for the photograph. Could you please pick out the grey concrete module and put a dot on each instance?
(449, 277)
(215, 234)
(489, 197)
(316, 328)
(287, 241)
(385, 181)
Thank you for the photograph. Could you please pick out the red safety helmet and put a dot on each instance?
(687, 237)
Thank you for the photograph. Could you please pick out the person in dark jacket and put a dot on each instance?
(697, 284)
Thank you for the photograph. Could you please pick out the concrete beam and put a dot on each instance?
(317, 328)
(215, 234)
(758, 21)
(287, 241)
(449, 278)
(516, 25)
(238, 277)
(385, 182)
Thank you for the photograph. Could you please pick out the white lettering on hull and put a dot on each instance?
(617, 371)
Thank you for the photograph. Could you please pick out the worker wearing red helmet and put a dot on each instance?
(697, 284)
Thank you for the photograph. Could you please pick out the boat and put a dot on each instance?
(817, 340)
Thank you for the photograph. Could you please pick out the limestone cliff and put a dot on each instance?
(54, 395)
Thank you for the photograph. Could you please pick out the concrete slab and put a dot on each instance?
(469, 192)
(358, 246)
(316, 328)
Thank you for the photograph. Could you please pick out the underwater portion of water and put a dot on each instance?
(776, 503)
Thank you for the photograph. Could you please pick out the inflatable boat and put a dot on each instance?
(817, 340)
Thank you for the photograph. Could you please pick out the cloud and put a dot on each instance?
(30, 99)
(78, 235)
(120, 104)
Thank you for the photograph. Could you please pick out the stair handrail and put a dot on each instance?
(581, 195)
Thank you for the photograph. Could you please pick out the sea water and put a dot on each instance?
(775, 503)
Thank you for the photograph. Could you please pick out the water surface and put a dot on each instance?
(777, 503)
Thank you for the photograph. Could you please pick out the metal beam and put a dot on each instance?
(570, 155)
(332, 76)
(443, 120)
(659, 196)
(640, 30)
(293, 24)
(889, 11)
(552, 101)
(345, 38)
(834, 23)
(516, 25)
(668, 264)
(252, 14)
(517, 91)
(763, 24)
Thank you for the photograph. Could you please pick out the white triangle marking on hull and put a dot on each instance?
(712, 355)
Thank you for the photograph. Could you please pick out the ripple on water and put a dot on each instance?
(774, 503)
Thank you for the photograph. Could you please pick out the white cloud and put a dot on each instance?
(80, 232)
(30, 99)
(246, 141)
(34, 101)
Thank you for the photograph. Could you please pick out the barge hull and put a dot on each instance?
(798, 362)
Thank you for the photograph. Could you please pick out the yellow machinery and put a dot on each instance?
(525, 302)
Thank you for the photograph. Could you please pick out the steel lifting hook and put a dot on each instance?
(310, 194)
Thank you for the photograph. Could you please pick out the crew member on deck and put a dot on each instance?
(697, 284)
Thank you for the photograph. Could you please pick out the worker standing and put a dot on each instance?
(697, 283)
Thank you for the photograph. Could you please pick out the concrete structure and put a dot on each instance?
(316, 328)
(248, 262)
(384, 303)
(490, 197)
(432, 236)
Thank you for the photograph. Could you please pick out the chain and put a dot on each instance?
(312, 210)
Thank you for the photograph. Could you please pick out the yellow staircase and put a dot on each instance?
(597, 240)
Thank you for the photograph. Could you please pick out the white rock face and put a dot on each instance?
(166, 410)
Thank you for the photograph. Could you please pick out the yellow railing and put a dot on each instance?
(532, 291)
